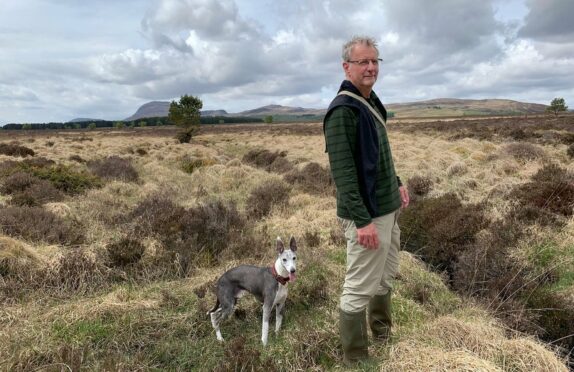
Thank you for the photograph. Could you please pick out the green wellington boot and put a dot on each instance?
(354, 336)
(380, 317)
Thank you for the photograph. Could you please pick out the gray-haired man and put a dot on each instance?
(369, 197)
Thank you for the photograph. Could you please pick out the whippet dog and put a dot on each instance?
(268, 284)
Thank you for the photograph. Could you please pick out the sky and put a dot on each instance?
(64, 59)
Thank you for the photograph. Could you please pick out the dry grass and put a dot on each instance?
(92, 310)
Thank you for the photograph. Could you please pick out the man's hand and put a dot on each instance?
(368, 237)
(405, 199)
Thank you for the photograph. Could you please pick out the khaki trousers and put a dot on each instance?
(370, 272)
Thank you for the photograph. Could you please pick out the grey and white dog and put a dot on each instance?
(268, 284)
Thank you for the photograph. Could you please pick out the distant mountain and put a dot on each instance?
(460, 107)
(281, 110)
(441, 107)
(80, 120)
(161, 109)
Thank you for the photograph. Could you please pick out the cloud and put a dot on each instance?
(549, 20)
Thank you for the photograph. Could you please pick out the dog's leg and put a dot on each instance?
(216, 318)
(279, 316)
(265, 327)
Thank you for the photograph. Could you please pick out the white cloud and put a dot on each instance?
(105, 59)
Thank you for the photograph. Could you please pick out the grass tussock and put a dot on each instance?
(524, 152)
(126, 251)
(449, 343)
(189, 164)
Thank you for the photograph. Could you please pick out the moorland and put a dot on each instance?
(111, 241)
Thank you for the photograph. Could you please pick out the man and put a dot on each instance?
(369, 197)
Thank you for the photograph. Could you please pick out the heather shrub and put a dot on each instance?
(12, 149)
(157, 215)
(38, 194)
(555, 316)
(312, 178)
(114, 168)
(555, 196)
(553, 173)
(524, 151)
(419, 185)
(141, 152)
(38, 225)
(211, 228)
(124, 252)
(29, 190)
(189, 163)
(487, 269)
(441, 228)
(570, 151)
(17, 182)
(270, 161)
(263, 197)
(66, 179)
(76, 158)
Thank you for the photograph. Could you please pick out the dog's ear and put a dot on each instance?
(293, 244)
(280, 246)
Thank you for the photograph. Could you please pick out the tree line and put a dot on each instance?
(143, 122)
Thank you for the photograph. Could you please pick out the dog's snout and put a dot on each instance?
(293, 270)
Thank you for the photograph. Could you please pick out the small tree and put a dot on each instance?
(268, 119)
(142, 123)
(27, 126)
(186, 114)
(92, 126)
(119, 124)
(557, 105)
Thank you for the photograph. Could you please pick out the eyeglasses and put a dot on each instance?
(365, 62)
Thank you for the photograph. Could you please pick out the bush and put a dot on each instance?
(12, 149)
(66, 179)
(313, 179)
(29, 190)
(211, 228)
(126, 251)
(38, 225)
(114, 168)
(552, 190)
(270, 161)
(570, 151)
(420, 185)
(265, 196)
(555, 317)
(441, 228)
(158, 216)
(76, 158)
(17, 182)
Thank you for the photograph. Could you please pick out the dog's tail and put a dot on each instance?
(214, 308)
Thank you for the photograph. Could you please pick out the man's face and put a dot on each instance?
(363, 77)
